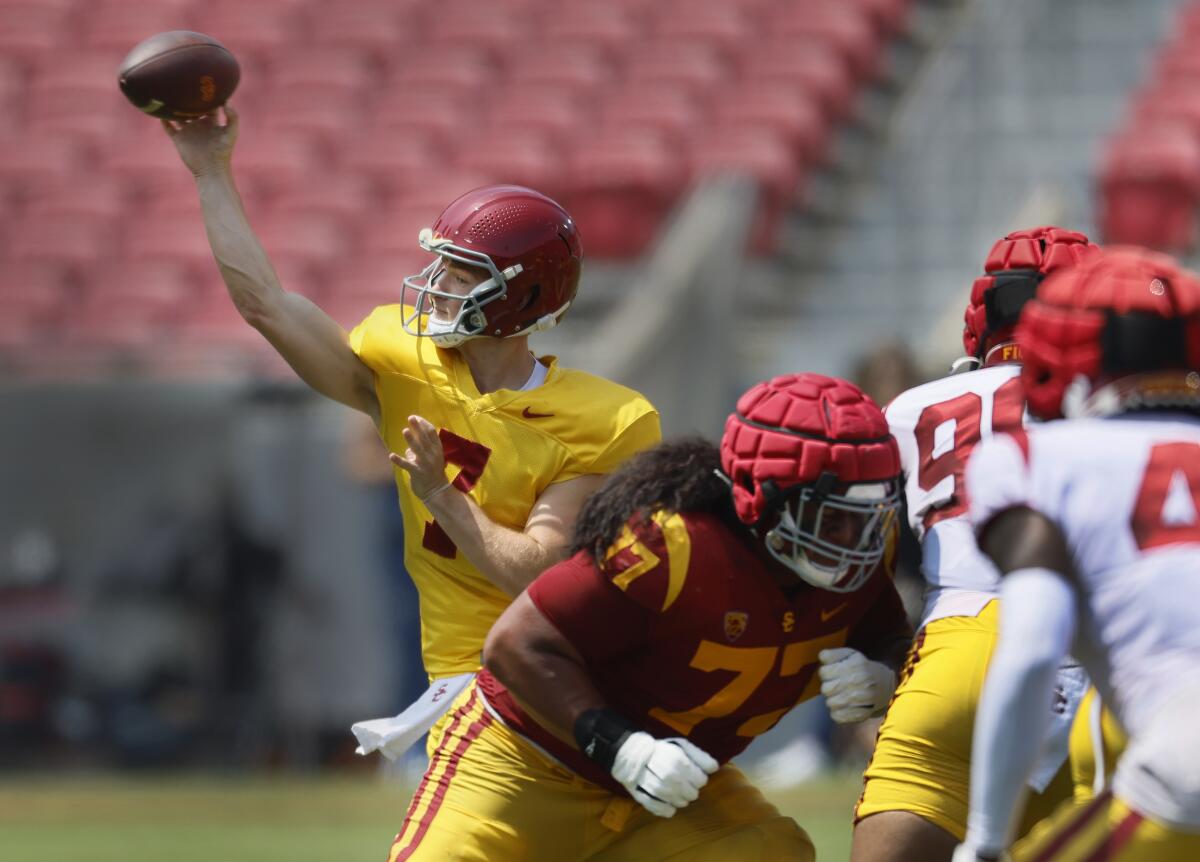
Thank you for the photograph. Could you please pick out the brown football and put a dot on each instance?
(178, 75)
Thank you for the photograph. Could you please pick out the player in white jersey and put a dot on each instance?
(1095, 523)
(914, 802)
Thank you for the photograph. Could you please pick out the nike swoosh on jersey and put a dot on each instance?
(827, 615)
(529, 414)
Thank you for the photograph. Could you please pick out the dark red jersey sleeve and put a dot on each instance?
(597, 618)
(885, 619)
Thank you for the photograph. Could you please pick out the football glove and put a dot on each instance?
(855, 687)
(662, 775)
(970, 853)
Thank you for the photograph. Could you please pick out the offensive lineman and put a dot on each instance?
(690, 620)
(448, 378)
(1095, 523)
(914, 802)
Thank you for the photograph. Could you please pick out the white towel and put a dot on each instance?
(396, 735)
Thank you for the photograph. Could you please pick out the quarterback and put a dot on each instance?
(914, 801)
(447, 376)
(1095, 523)
(711, 590)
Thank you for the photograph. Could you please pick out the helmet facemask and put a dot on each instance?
(471, 320)
(832, 540)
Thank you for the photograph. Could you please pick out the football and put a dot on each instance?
(178, 75)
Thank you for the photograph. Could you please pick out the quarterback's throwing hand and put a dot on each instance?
(425, 460)
(855, 687)
(663, 775)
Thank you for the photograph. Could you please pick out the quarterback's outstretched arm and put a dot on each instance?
(315, 346)
(1037, 624)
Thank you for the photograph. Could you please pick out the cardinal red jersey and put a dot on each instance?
(685, 630)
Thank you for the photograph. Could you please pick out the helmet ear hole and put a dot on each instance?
(534, 292)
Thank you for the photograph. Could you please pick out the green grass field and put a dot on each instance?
(205, 819)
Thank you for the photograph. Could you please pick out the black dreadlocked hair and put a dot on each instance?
(681, 475)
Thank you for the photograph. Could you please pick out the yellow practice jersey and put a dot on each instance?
(503, 448)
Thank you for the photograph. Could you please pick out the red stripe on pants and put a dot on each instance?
(1064, 838)
(451, 727)
(1117, 839)
(439, 795)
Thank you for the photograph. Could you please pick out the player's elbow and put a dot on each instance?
(502, 648)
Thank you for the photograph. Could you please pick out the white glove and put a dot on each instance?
(855, 687)
(663, 775)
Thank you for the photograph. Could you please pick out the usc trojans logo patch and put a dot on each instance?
(735, 624)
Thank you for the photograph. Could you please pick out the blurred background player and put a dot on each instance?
(689, 620)
(450, 382)
(1095, 523)
(914, 802)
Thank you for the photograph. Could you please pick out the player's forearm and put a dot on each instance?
(247, 271)
(553, 688)
(508, 558)
(1014, 710)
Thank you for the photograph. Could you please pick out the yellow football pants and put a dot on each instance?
(1105, 829)
(1097, 740)
(491, 796)
(922, 758)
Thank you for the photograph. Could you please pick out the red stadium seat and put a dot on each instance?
(306, 238)
(427, 114)
(1149, 188)
(119, 26)
(393, 163)
(1176, 105)
(486, 31)
(818, 70)
(393, 232)
(34, 289)
(619, 189)
(425, 67)
(696, 66)
(267, 163)
(345, 197)
(325, 123)
(178, 237)
(767, 158)
(668, 110)
(521, 158)
(92, 110)
(888, 16)
(107, 324)
(160, 290)
(832, 22)
(261, 29)
(570, 67)
(554, 112)
(145, 159)
(369, 283)
(32, 28)
(38, 161)
(720, 26)
(374, 28)
(787, 112)
(320, 76)
(100, 195)
(603, 26)
(78, 239)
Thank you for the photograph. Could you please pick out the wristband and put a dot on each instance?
(425, 498)
(599, 733)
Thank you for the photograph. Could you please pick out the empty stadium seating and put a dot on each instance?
(1149, 180)
(361, 118)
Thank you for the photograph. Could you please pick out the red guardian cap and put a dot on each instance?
(815, 473)
(1119, 332)
(1013, 269)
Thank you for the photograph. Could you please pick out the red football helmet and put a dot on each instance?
(530, 249)
(1121, 331)
(1014, 268)
(816, 475)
